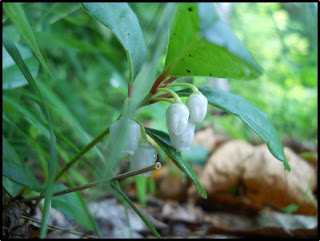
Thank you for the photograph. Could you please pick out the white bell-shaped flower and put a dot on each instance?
(183, 141)
(197, 105)
(144, 156)
(132, 136)
(177, 118)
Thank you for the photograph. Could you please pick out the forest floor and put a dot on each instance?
(249, 195)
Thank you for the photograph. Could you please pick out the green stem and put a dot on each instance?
(81, 153)
(146, 221)
(171, 92)
(191, 86)
(143, 131)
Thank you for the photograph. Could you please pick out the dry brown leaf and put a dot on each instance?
(225, 166)
(208, 139)
(171, 186)
(266, 181)
(262, 175)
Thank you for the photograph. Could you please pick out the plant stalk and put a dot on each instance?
(190, 86)
(171, 92)
(156, 166)
(81, 153)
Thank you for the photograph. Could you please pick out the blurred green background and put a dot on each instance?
(90, 74)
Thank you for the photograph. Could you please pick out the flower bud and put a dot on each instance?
(144, 156)
(177, 118)
(183, 141)
(132, 136)
(197, 105)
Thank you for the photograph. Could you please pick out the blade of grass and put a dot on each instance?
(145, 220)
(125, 207)
(25, 113)
(42, 153)
(81, 153)
(17, 15)
(61, 109)
(13, 51)
(85, 207)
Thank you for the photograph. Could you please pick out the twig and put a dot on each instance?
(156, 166)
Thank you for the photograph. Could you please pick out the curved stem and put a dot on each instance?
(143, 131)
(171, 92)
(191, 86)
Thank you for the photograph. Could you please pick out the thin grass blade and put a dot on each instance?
(17, 15)
(145, 220)
(13, 51)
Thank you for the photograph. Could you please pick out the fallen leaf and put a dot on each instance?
(261, 175)
(267, 182)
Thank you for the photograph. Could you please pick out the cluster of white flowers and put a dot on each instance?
(180, 121)
(180, 126)
(142, 153)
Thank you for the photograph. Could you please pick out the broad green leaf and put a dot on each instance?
(14, 53)
(17, 15)
(251, 115)
(123, 22)
(201, 44)
(15, 170)
(163, 140)
(70, 205)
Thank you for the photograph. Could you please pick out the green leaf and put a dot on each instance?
(251, 115)
(14, 53)
(201, 44)
(11, 75)
(291, 208)
(123, 22)
(12, 187)
(144, 219)
(12, 32)
(163, 140)
(15, 170)
(141, 186)
(63, 110)
(17, 15)
(70, 205)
